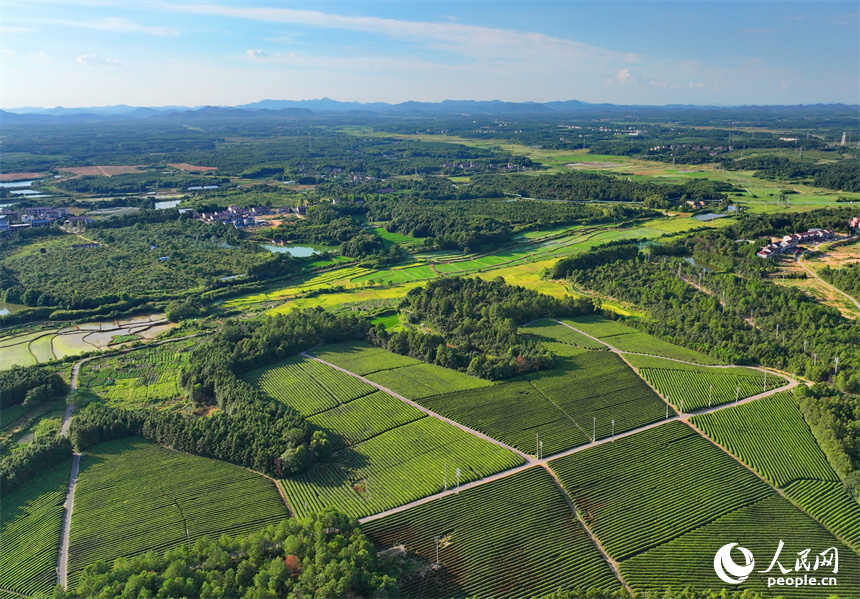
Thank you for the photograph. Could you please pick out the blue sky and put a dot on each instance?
(94, 53)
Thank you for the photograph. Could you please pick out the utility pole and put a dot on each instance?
(446, 476)
(458, 481)
(737, 393)
(613, 431)
(765, 381)
(541, 450)
(437, 549)
(594, 428)
(710, 395)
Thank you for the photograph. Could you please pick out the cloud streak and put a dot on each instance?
(472, 41)
(96, 61)
(118, 25)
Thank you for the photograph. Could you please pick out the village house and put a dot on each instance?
(791, 241)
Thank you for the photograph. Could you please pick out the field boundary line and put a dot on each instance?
(561, 410)
(462, 427)
(11, 592)
(613, 565)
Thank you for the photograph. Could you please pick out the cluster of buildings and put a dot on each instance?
(236, 216)
(790, 243)
(39, 216)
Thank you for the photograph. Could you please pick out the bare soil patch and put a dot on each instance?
(102, 171)
(184, 166)
(592, 164)
(20, 176)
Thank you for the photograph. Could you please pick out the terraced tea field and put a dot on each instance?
(147, 377)
(548, 330)
(514, 537)
(306, 385)
(565, 406)
(426, 380)
(827, 502)
(759, 527)
(332, 278)
(362, 358)
(364, 418)
(134, 496)
(628, 339)
(646, 489)
(771, 436)
(396, 467)
(699, 386)
(30, 521)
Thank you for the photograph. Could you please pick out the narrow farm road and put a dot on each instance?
(525, 456)
(814, 274)
(63, 559)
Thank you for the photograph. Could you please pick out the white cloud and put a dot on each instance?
(255, 53)
(93, 60)
(698, 85)
(6, 30)
(118, 25)
(624, 76)
(467, 40)
(7, 51)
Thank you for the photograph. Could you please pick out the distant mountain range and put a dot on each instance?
(326, 107)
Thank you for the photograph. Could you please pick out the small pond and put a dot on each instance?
(10, 308)
(299, 251)
(165, 204)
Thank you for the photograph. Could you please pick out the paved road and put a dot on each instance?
(826, 284)
(63, 560)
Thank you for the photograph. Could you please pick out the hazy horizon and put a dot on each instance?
(719, 53)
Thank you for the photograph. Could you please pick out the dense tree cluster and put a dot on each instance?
(324, 555)
(596, 256)
(137, 260)
(42, 453)
(584, 186)
(834, 418)
(325, 224)
(847, 279)
(737, 319)
(469, 324)
(32, 384)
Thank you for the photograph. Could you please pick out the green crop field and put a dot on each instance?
(771, 436)
(689, 559)
(827, 502)
(425, 380)
(701, 387)
(514, 413)
(646, 489)
(394, 468)
(514, 537)
(147, 377)
(306, 385)
(364, 418)
(31, 518)
(362, 358)
(598, 387)
(551, 331)
(586, 390)
(134, 496)
(628, 339)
